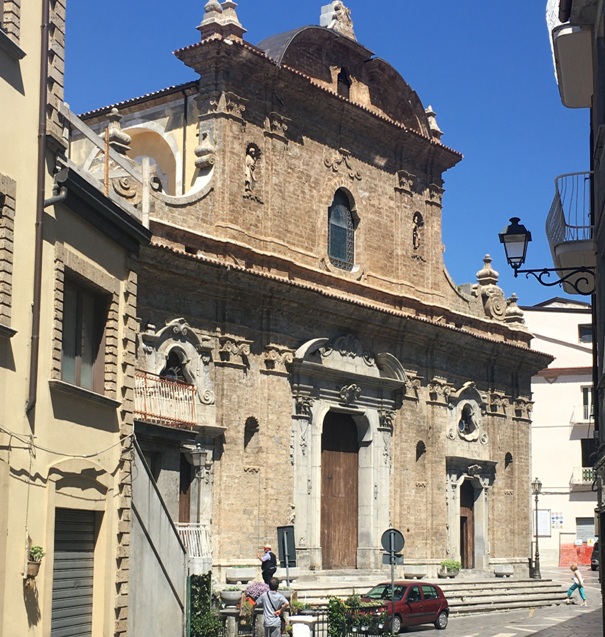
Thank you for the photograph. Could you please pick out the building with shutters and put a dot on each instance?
(67, 348)
(563, 428)
(304, 357)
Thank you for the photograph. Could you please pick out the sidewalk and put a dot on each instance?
(583, 622)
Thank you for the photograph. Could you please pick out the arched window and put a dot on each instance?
(341, 232)
(344, 83)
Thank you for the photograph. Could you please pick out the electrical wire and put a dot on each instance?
(32, 445)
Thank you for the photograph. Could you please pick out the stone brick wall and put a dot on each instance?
(8, 194)
(10, 18)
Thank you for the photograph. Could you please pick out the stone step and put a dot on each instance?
(465, 596)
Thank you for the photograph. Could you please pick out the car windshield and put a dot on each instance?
(383, 591)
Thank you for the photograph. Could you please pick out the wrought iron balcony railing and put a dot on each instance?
(165, 402)
(569, 218)
(582, 476)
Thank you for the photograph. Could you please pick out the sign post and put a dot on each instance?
(393, 542)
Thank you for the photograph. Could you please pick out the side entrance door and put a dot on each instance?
(467, 524)
(339, 491)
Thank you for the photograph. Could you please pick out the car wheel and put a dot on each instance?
(441, 621)
(396, 626)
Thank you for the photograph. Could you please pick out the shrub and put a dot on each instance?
(451, 565)
(205, 619)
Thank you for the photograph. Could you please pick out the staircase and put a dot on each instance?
(466, 595)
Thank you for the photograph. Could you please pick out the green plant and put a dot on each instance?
(205, 618)
(296, 607)
(451, 565)
(36, 553)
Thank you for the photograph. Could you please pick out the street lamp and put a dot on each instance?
(536, 487)
(516, 237)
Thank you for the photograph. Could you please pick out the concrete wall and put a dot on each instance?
(158, 563)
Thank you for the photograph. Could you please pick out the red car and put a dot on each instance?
(415, 603)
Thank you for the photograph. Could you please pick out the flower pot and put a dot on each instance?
(33, 568)
(415, 571)
(230, 598)
(240, 575)
(443, 573)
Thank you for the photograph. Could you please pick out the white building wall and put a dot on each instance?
(559, 424)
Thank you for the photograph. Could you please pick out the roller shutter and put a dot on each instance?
(73, 573)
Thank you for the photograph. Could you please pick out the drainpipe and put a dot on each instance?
(38, 235)
(184, 163)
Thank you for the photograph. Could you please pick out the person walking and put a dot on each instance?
(273, 604)
(268, 563)
(578, 582)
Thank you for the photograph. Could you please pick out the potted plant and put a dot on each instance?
(36, 553)
(449, 568)
(254, 591)
(231, 595)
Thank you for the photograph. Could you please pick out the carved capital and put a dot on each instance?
(405, 181)
(276, 358)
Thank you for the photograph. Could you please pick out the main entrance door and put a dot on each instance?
(467, 525)
(339, 491)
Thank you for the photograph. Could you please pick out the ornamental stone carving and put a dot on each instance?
(405, 181)
(194, 351)
(276, 125)
(349, 394)
(342, 160)
(523, 408)
(439, 390)
(467, 408)
(276, 358)
(348, 347)
(233, 351)
(338, 17)
(205, 151)
(494, 302)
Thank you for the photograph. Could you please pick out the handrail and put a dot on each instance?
(162, 401)
(569, 218)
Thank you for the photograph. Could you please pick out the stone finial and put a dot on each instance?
(487, 275)
(514, 314)
(432, 117)
(118, 139)
(338, 17)
(221, 19)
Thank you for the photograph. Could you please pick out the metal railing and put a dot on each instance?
(569, 218)
(162, 401)
(196, 539)
(582, 476)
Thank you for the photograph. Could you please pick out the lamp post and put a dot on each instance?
(516, 237)
(536, 487)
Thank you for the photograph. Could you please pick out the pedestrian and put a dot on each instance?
(578, 582)
(273, 604)
(268, 563)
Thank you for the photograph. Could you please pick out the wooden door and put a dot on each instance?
(185, 491)
(339, 491)
(467, 525)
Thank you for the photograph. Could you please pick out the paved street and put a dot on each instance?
(552, 621)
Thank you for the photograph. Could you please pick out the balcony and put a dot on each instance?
(582, 478)
(569, 228)
(571, 44)
(196, 539)
(161, 401)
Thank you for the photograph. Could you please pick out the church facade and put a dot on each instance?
(317, 365)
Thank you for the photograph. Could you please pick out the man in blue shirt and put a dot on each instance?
(273, 604)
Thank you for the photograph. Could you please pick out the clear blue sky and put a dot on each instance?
(484, 66)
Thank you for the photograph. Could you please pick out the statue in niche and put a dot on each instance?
(418, 222)
(252, 156)
(467, 407)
